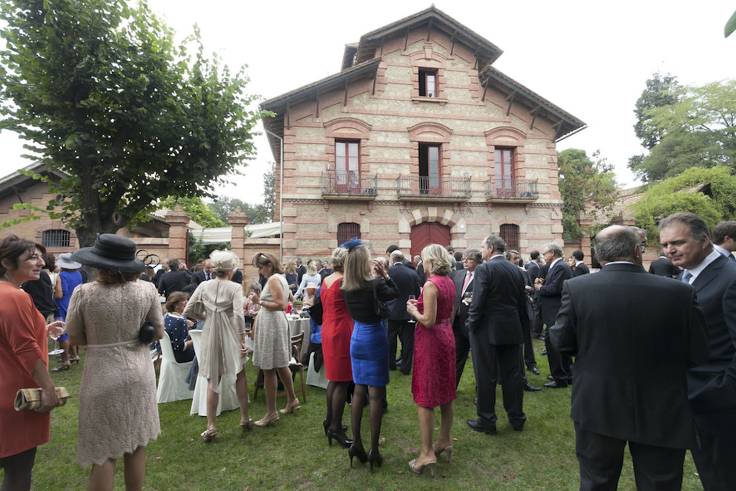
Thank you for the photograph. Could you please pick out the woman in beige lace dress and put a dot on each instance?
(219, 302)
(118, 415)
(272, 341)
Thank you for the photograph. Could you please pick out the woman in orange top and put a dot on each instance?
(23, 362)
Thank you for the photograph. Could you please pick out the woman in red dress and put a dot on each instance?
(337, 328)
(433, 377)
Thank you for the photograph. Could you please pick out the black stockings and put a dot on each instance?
(376, 396)
(336, 397)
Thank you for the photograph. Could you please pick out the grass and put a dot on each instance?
(295, 455)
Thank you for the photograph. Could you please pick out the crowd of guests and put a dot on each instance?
(651, 358)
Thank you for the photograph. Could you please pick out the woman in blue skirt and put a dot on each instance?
(365, 287)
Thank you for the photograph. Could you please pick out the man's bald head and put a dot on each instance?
(617, 243)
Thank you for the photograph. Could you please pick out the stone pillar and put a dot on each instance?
(238, 220)
(178, 222)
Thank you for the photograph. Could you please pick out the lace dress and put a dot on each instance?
(272, 342)
(433, 377)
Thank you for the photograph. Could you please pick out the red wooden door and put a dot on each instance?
(428, 233)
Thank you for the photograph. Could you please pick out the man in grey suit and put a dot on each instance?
(712, 385)
(463, 279)
(496, 318)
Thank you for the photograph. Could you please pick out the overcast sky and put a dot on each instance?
(590, 58)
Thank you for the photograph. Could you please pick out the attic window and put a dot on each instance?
(428, 86)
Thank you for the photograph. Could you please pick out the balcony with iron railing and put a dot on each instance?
(430, 188)
(340, 185)
(512, 190)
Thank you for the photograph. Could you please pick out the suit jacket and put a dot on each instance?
(201, 276)
(712, 385)
(550, 295)
(407, 282)
(533, 269)
(663, 267)
(498, 313)
(580, 269)
(634, 336)
(174, 281)
(460, 309)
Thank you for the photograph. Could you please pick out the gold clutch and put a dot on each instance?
(30, 399)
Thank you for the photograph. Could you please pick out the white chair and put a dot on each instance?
(228, 397)
(315, 378)
(172, 384)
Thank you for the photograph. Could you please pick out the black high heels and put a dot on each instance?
(374, 459)
(326, 426)
(341, 438)
(358, 452)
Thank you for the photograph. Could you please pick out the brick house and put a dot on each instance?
(418, 139)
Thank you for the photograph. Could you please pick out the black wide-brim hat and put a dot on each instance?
(111, 252)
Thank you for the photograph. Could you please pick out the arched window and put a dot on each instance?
(509, 232)
(56, 238)
(347, 231)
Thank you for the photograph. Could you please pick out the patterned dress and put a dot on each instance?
(272, 341)
(117, 399)
(433, 377)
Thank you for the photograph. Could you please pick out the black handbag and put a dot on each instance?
(379, 307)
(147, 332)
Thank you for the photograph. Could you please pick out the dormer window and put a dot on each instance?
(428, 86)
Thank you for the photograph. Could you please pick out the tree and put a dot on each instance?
(699, 129)
(706, 192)
(661, 90)
(584, 184)
(196, 209)
(101, 93)
(223, 206)
(269, 193)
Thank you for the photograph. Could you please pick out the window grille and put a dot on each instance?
(510, 234)
(347, 231)
(56, 238)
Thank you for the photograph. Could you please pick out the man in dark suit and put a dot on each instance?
(549, 290)
(711, 385)
(634, 336)
(463, 279)
(300, 270)
(206, 274)
(459, 262)
(496, 318)
(176, 280)
(663, 267)
(399, 325)
(534, 271)
(580, 267)
(724, 239)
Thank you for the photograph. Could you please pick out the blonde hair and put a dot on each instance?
(357, 268)
(338, 259)
(291, 266)
(437, 260)
(312, 267)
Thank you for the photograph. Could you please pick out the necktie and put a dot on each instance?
(686, 277)
(468, 279)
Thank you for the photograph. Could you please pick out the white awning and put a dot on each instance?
(224, 234)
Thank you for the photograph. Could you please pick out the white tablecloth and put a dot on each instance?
(300, 325)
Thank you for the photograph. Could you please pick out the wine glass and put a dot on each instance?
(411, 319)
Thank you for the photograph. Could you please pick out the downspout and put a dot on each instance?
(281, 194)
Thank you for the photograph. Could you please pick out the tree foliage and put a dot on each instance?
(583, 182)
(697, 130)
(706, 192)
(269, 193)
(196, 209)
(661, 90)
(223, 206)
(100, 92)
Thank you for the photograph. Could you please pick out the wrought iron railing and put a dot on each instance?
(348, 183)
(428, 187)
(512, 189)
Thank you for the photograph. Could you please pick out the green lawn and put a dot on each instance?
(295, 455)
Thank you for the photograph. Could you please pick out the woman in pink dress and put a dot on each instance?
(433, 377)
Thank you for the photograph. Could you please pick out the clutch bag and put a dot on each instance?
(30, 399)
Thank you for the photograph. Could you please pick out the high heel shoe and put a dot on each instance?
(290, 408)
(358, 452)
(326, 426)
(268, 420)
(418, 469)
(341, 438)
(374, 459)
(444, 450)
